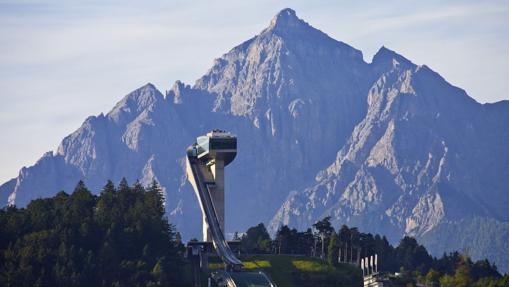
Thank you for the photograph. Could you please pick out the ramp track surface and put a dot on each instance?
(203, 190)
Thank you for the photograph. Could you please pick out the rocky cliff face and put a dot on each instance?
(388, 146)
(412, 162)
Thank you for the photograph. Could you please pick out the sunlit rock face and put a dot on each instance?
(387, 145)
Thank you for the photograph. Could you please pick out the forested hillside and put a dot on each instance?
(119, 238)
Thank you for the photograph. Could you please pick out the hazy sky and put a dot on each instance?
(61, 61)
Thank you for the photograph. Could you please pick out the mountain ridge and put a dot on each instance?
(389, 146)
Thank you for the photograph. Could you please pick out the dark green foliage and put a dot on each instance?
(119, 238)
(333, 250)
(413, 256)
(325, 229)
(290, 241)
(256, 240)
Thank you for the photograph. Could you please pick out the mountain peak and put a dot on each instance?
(385, 55)
(286, 18)
(136, 101)
(288, 25)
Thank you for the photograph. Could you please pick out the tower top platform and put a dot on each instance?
(216, 145)
(217, 133)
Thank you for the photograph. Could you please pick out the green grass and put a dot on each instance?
(308, 265)
(290, 271)
(257, 264)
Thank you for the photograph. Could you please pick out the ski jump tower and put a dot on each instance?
(205, 162)
(212, 152)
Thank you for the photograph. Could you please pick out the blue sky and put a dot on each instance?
(61, 61)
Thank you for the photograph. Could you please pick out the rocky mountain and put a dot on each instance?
(385, 145)
(425, 155)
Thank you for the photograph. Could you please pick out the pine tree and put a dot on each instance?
(333, 249)
(324, 228)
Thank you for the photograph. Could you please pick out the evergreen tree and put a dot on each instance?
(324, 228)
(333, 249)
(256, 240)
(283, 239)
(119, 238)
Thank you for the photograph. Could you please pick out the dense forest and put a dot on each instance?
(121, 237)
